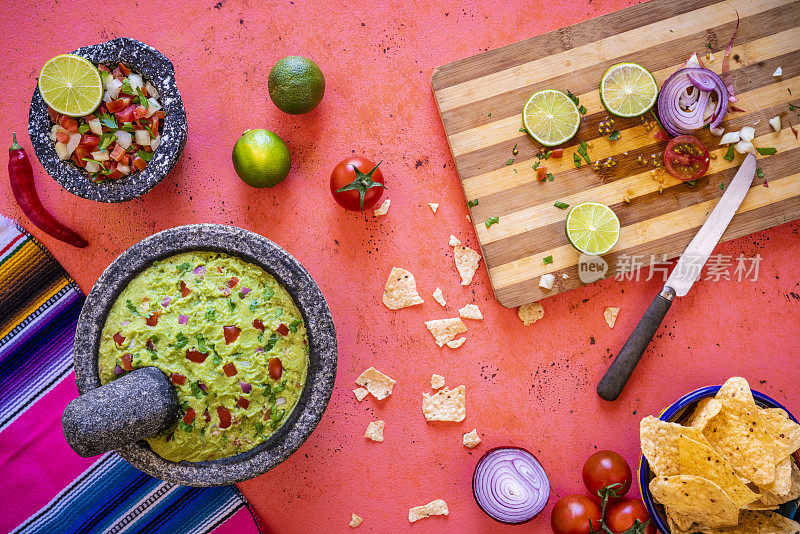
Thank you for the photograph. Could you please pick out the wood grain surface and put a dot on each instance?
(480, 101)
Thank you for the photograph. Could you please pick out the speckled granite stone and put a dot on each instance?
(287, 270)
(135, 406)
(156, 68)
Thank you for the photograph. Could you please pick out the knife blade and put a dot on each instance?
(683, 275)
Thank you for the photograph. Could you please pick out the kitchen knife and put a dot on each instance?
(686, 271)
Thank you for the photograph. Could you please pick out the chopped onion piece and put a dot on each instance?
(155, 143)
(74, 141)
(183, 319)
(113, 88)
(200, 269)
(118, 371)
(61, 151)
(280, 401)
(246, 387)
(778, 72)
(718, 131)
(95, 126)
(245, 290)
(151, 90)
(166, 301)
(202, 386)
(124, 169)
(729, 138)
(747, 133)
(244, 364)
(124, 139)
(546, 281)
(775, 122)
(53, 131)
(107, 97)
(92, 166)
(135, 80)
(692, 61)
(101, 155)
(153, 107)
(142, 137)
(743, 147)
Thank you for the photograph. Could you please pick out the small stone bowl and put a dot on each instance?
(679, 412)
(156, 68)
(288, 272)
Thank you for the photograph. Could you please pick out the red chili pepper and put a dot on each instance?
(20, 174)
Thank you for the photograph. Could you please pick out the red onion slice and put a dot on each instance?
(691, 88)
(246, 387)
(200, 269)
(510, 485)
(183, 319)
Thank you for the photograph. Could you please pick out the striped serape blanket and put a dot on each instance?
(45, 487)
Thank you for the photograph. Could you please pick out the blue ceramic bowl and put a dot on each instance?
(678, 412)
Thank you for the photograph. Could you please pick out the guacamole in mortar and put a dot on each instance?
(229, 337)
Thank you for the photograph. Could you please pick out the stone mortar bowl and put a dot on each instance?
(287, 270)
(156, 68)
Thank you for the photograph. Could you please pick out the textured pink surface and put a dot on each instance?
(531, 387)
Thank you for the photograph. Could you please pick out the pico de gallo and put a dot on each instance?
(121, 135)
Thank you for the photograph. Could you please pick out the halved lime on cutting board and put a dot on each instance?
(592, 228)
(71, 85)
(551, 117)
(628, 90)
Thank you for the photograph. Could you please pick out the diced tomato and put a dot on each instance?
(55, 116)
(127, 361)
(68, 123)
(154, 124)
(258, 325)
(177, 379)
(139, 112)
(275, 368)
(243, 403)
(139, 163)
(119, 339)
(231, 333)
(149, 344)
(116, 175)
(224, 416)
(103, 68)
(232, 282)
(118, 152)
(84, 151)
(219, 269)
(119, 104)
(90, 140)
(78, 161)
(661, 135)
(153, 319)
(185, 289)
(283, 329)
(160, 114)
(62, 136)
(207, 416)
(229, 369)
(195, 356)
(124, 159)
(126, 115)
(541, 174)
(188, 417)
(124, 70)
(557, 152)
(118, 73)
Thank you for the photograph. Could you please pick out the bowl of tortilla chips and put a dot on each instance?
(721, 460)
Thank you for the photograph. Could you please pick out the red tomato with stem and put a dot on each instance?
(606, 468)
(622, 514)
(357, 183)
(575, 514)
(686, 158)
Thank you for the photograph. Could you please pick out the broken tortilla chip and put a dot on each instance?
(707, 408)
(470, 311)
(736, 387)
(530, 313)
(466, 262)
(454, 344)
(611, 316)
(437, 507)
(401, 290)
(769, 498)
(759, 522)
(433, 206)
(444, 330)
(471, 439)
(383, 209)
(437, 381)
(355, 521)
(697, 498)
(785, 431)
(454, 241)
(445, 404)
(360, 393)
(375, 430)
(438, 296)
(678, 523)
(376, 383)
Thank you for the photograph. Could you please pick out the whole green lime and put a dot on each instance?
(261, 158)
(296, 85)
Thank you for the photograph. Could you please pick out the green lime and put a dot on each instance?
(592, 228)
(261, 158)
(551, 117)
(71, 85)
(628, 90)
(296, 85)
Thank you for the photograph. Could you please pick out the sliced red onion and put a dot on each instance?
(118, 370)
(200, 269)
(245, 290)
(202, 386)
(183, 319)
(165, 301)
(125, 323)
(246, 387)
(280, 401)
(684, 98)
(726, 63)
(510, 485)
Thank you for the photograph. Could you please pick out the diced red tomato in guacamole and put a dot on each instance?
(229, 369)
(224, 416)
(196, 356)
(231, 333)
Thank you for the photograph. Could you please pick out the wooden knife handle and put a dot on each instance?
(622, 367)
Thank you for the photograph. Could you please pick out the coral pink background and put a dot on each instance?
(531, 387)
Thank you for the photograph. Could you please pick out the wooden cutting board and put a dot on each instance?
(480, 100)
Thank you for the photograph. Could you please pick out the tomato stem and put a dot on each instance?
(362, 183)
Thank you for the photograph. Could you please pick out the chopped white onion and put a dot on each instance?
(778, 72)
(747, 133)
(155, 143)
(244, 364)
(151, 90)
(547, 281)
(730, 137)
(95, 126)
(717, 131)
(124, 169)
(113, 88)
(775, 122)
(53, 131)
(107, 97)
(74, 141)
(101, 155)
(124, 139)
(280, 401)
(743, 147)
(153, 107)
(61, 151)
(92, 166)
(142, 137)
(135, 80)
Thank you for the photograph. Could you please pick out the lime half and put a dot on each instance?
(628, 90)
(592, 228)
(551, 117)
(71, 85)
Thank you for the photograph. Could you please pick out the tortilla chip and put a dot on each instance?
(454, 241)
(698, 459)
(739, 434)
(466, 262)
(401, 290)
(678, 523)
(757, 522)
(530, 313)
(361, 393)
(471, 439)
(770, 498)
(444, 330)
(707, 408)
(454, 344)
(433, 206)
(697, 498)
(470, 311)
(383, 209)
(760, 505)
(437, 507)
(785, 431)
(660, 444)
(783, 477)
(376, 383)
(736, 387)
(445, 404)
(375, 430)
(437, 381)
(356, 521)
(611, 316)
(439, 297)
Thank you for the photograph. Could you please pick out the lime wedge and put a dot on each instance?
(592, 228)
(551, 117)
(71, 85)
(628, 90)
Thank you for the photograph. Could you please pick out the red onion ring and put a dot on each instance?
(678, 121)
(510, 485)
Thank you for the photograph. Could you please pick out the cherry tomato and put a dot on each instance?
(686, 158)
(622, 514)
(604, 468)
(575, 514)
(364, 181)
